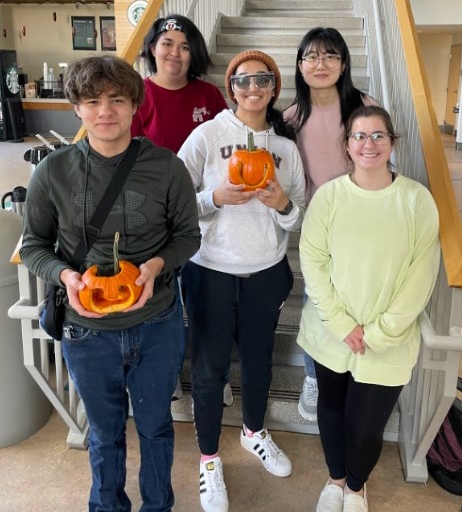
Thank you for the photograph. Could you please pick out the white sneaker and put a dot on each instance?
(178, 393)
(228, 398)
(331, 499)
(308, 401)
(262, 445)
(212, 488)
(355, 502)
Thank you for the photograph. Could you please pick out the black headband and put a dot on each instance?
(170, 24)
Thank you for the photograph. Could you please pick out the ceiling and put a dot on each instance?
(63, 2)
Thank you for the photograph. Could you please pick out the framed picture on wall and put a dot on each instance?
(83, 33)
(107, 32)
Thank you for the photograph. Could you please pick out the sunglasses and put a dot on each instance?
(260, 80)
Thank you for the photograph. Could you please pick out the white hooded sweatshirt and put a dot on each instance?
(241, 239)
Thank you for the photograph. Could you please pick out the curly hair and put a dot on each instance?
(89, 77)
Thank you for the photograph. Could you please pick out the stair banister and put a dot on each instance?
(425, 402)
(386, 102)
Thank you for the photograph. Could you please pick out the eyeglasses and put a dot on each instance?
(377, 138)
(329, 61)
(260, 80)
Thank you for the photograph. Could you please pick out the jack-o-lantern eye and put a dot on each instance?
(252, 167)
(109, 294)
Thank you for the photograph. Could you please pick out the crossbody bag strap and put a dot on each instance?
(93, 228)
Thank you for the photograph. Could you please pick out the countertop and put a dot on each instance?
(46, 104)
(44, 100)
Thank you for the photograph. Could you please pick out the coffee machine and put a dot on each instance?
(36, 154)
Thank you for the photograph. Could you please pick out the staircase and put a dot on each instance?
(278, 31)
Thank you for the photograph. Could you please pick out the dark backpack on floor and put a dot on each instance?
(444, 459)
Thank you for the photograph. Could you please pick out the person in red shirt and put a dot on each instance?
(177, 100)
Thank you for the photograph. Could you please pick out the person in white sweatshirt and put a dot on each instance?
(236, 284)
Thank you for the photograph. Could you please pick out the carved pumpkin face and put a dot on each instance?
(252, 167)
(109, 294)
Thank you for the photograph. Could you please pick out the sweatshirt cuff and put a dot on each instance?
(56, 272)
(341, 327)
(207, 202)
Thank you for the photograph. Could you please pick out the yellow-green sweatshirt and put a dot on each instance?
(368, 258)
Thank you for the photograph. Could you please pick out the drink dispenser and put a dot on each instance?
(18, 199)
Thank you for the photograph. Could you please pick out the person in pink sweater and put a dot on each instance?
(325, 98)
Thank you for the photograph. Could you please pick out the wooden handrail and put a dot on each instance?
(133, 45)
(435, 159)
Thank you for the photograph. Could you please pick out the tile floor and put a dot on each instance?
(41, 474)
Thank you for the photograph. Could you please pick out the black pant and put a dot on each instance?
(352, 417)
(223, 308)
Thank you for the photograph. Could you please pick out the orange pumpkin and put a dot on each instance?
(109, 294)
(252, 167)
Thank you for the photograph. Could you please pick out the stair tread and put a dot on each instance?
(282, 59)
(300, 4)
(252, 41)
(281, 412)
(265, 22)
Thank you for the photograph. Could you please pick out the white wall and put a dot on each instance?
(436, 49)
(48, 40)
(6, 24)
(441, 12)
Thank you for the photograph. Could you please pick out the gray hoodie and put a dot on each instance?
(155, 214)
(241, 239)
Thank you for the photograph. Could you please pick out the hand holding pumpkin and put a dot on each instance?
(227, 193)
(72, 281)
(148, 273)
(110, 294)
(273, 196)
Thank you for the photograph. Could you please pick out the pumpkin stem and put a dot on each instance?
(250, 142)
(115, 251)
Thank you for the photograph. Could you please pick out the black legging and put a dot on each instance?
(223, 309)
(352, 417)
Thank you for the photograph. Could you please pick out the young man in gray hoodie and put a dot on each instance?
(156, 216)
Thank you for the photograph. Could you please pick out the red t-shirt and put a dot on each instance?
(168, 117)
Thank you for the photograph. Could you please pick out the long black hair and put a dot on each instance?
(325, 40)
(200, 58)
(281, 127)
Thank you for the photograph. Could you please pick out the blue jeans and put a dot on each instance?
(309, 365)
(103, 365)
(308, 360)
(179, 312)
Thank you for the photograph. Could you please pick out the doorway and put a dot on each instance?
(452, 96)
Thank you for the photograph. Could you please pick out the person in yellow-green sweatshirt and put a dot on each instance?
(369, 254)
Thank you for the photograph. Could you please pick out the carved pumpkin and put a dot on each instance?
(251, 167)
(109, 294)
